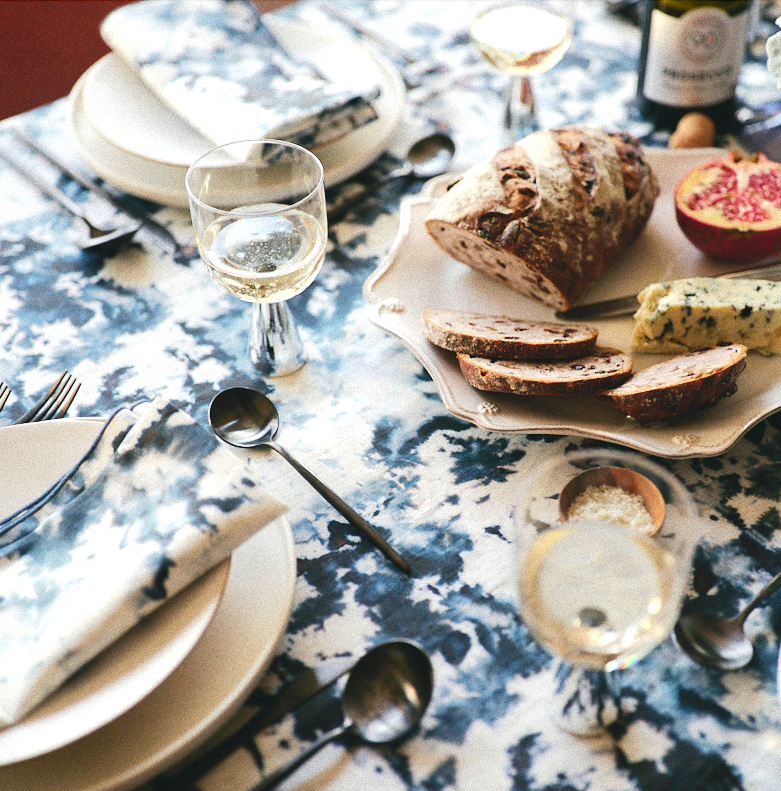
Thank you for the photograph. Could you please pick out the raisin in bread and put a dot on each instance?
(600, 370)
(549, 214)
(505, 338)
(681, 384)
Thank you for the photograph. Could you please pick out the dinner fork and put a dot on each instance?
(5, 391)
(55, 403)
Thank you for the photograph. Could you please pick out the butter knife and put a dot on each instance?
(623, 306)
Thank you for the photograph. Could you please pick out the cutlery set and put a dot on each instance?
(97, 238)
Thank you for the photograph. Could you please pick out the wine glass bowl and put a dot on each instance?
(602, 593)
(258, 211)
(521, 39)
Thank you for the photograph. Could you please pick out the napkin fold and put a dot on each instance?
(219, 67)
(155, 503)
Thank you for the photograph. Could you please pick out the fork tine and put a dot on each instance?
(31, 414)
(61, 399)
(5, 391)
(67, 399)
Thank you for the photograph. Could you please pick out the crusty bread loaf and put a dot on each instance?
(547, 215)
(600, 370)
(681, 384)
(505, 338)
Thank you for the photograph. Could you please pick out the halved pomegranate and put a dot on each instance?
(730, 208)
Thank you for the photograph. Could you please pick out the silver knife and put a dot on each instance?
(623, 306)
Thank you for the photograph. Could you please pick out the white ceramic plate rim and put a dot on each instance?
(417, 275)
(199, 696)
(132, 165)
(134, 665)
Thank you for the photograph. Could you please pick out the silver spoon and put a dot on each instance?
(98, 238)
(245, 418)
(717, 642)
(386, 694)
(428, 157)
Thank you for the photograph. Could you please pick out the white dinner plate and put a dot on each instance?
(134, 141)
(418, 275)
(32, 457)
(202, 692)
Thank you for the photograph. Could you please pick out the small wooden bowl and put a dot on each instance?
(621, 477)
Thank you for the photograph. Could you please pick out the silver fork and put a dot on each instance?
(55, 403)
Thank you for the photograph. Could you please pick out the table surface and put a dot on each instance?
(365, 415)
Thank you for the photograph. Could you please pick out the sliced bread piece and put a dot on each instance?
(505, 338)
(680, 385)
(600, 370)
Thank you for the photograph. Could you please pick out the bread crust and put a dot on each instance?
(681, 384)
(507, 338)
(549, 214)
(602, 369)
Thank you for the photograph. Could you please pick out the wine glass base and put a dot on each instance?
(275, 347)
(584, 704)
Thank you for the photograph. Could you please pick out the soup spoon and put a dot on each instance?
(717, 642)
(245, 418)
(428, 157)
(386, 694)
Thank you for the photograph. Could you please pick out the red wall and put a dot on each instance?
(46, 45)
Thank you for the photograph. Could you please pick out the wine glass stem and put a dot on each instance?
(519, 117)
(585, 703)
(275, 345)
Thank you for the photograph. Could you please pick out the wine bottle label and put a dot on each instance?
(693, 60)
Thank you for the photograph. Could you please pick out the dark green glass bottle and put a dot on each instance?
(690, 57)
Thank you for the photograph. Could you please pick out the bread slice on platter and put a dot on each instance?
(681, 384)
(600, 370)
(547, 215)
(506, 338)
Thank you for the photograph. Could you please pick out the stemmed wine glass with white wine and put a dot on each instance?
(521, 39)
(601, 589)
(258, 209)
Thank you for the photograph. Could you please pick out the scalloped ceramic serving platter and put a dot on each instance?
(418, 275)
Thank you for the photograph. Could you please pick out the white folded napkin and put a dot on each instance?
(154, 504)
(218, 66)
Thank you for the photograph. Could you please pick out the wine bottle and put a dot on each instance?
(690, 57)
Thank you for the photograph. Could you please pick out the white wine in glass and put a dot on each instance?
(600, 594)
(258, 209)
(522, 39)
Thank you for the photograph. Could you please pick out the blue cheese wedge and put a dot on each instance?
(700, 312)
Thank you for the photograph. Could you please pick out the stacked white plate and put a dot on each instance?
(133, 141)
(170, 682)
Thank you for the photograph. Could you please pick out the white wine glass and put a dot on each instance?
(600, 595)
(521, 39)
(258, 210)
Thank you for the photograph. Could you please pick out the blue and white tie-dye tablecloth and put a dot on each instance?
(148, 322)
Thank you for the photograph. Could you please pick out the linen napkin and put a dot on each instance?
(155, 503)
(219, 67)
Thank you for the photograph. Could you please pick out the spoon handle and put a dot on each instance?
(285, 771)
(771, 587)
(345, 510)
(341, 209)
